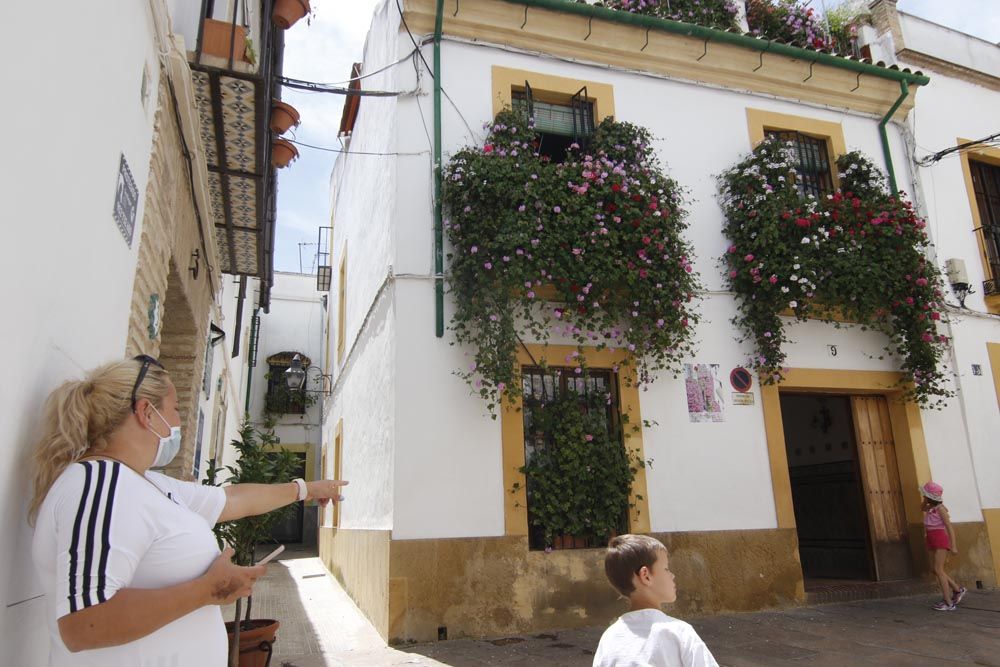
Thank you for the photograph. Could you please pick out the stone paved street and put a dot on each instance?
(321, 627)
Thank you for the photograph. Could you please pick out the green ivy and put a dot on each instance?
(603, 229)
(859, 251)
(580, 480)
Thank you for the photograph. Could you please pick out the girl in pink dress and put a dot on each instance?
(940, 539)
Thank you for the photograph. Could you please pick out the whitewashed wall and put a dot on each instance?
(937, 124)
(448, 480)
(73, 72)
(365, 211)
(296, 322)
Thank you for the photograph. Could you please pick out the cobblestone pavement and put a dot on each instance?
(898, 632)
(321, 627)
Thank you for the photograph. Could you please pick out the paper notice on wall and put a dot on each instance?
(742, 399)
(705, 398)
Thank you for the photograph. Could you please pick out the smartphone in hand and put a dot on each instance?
(268, 558)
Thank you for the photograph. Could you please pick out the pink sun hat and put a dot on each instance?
(932, 491)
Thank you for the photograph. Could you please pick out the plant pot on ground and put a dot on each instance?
(283, 116)
(256, 641)
(287, 12)
(260, 461)
(283, 153)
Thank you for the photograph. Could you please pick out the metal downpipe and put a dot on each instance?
(438, 231)
(904, 93)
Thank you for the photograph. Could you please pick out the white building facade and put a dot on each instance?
(120, 236)
(434, 538)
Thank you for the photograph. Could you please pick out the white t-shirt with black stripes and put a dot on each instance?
(101, 528)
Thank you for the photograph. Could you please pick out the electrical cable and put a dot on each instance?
(309, 86)
(412, 39)
(365, 76)
(338, 150)
(928, 160)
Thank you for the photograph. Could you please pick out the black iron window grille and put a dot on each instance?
(541, 386)
(558, 125)
(812, 163)
(986, 188)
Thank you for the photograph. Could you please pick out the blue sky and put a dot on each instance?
(324, 50)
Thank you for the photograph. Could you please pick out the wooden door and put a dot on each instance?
(881, 486)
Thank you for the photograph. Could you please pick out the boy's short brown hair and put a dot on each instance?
(627, 554)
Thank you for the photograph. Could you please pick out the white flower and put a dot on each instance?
(805, 240)
(793, 277)
(796, 267)
(793, 304)
(784, 290)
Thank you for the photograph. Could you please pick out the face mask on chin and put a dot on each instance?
(169, 445)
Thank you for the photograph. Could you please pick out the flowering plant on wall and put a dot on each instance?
(590, 250)
(786, 20)
(719, 14)
(858, 254)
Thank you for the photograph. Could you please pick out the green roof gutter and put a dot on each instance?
(714, 35)
(904, 91)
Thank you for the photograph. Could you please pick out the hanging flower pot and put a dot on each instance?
(283, 152)
(283, 116)
(287, 12)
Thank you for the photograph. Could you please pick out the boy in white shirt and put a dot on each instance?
(637, 566)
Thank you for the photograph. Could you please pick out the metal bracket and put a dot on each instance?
(456, 9)
(762, 56)
(810, 71)
(704, 53)
(647, 41)
(525, 17)
(858, 82)
(590, 28)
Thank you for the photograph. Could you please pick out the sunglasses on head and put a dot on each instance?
(147, 361)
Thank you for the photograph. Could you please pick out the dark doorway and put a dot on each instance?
(830, 515)
(289, 529)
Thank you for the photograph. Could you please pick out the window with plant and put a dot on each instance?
(578, 470)
(591, 249)
(857, 255)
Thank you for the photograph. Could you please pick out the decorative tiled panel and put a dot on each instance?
(238, 109)
(203, 97)
(215, 192)
(243, 201)
(222, 243)
(246, 252)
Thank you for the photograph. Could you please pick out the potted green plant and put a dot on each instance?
(579, 475)
(260, 461)
(283, 153)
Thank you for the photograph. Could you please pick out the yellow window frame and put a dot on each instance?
(512, 435)
(760, 121)
(990, 156)
(551, 89)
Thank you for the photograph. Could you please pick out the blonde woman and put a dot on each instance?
(133, 572)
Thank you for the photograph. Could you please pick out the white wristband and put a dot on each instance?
(303, 491)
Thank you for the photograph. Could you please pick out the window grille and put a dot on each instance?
(812, 163)
(986, 188)
(544, 385)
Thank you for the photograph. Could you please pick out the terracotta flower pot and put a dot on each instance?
(219, 36)
(256, 637)
(283, 152)
(287, 12)
(283, 116)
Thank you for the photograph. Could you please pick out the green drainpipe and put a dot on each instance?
(904, 91)
(438, 233)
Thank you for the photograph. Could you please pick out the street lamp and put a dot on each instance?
(296, 376)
